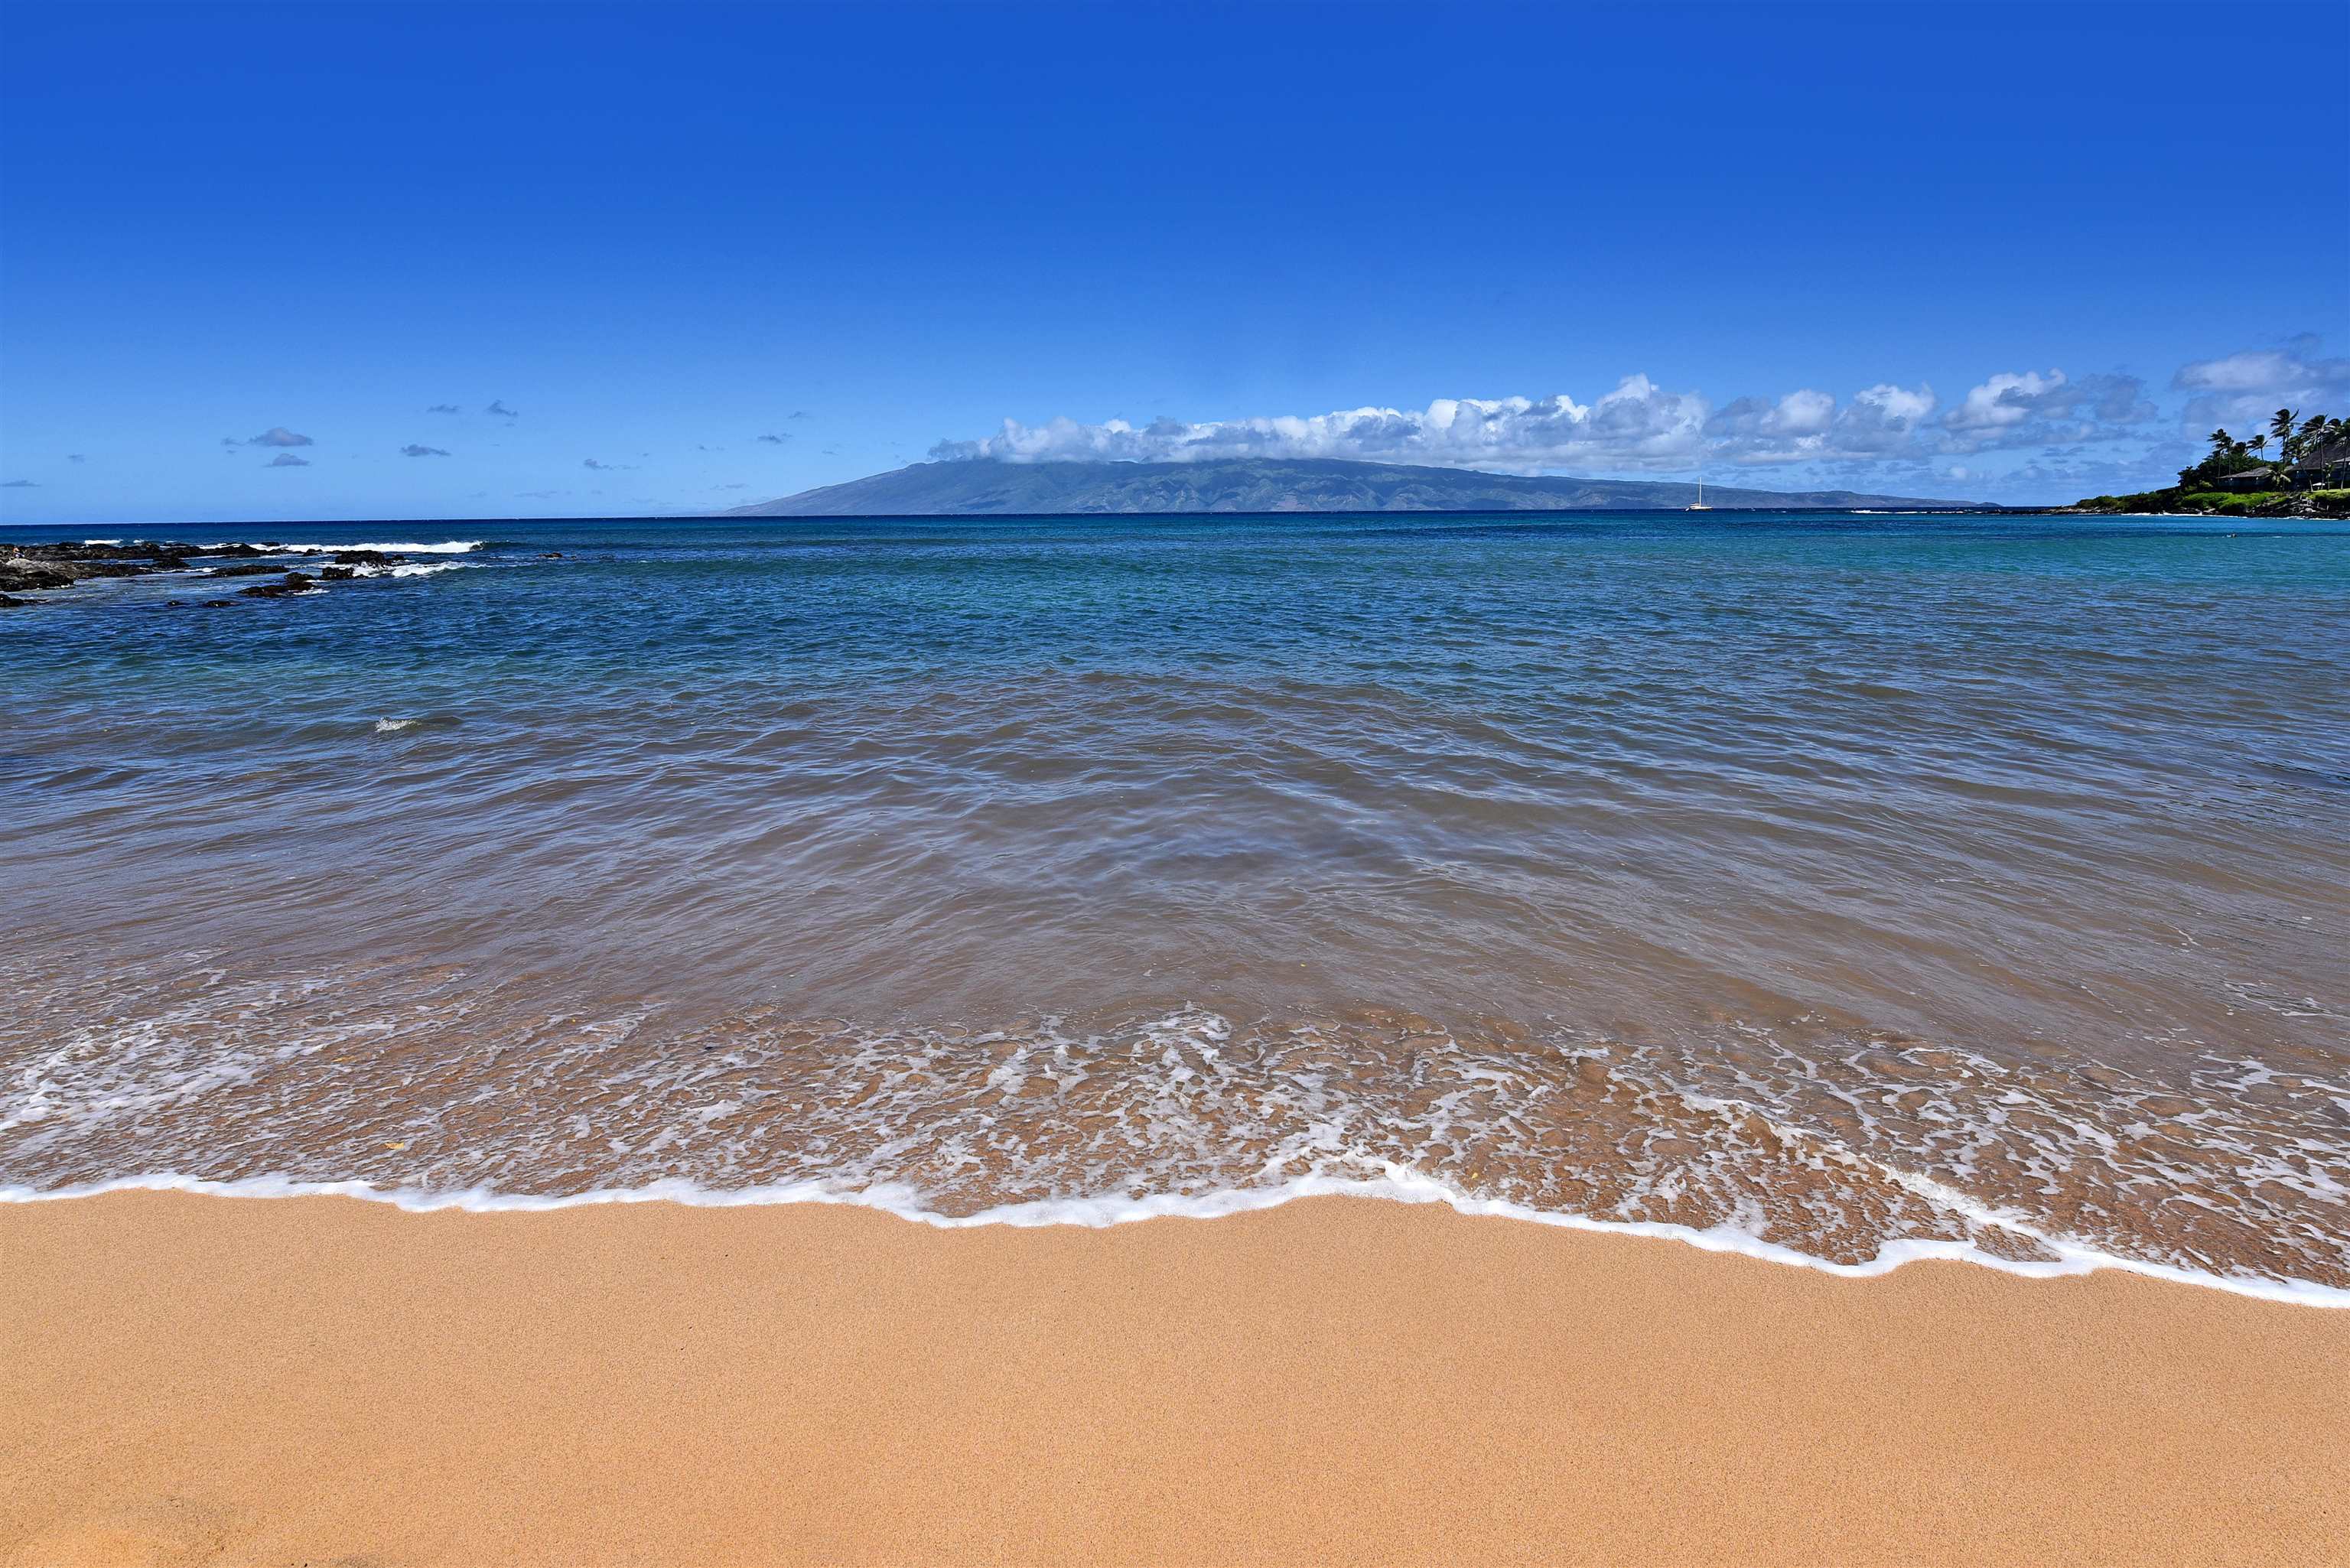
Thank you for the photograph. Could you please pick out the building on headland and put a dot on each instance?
(2249, 479)
(2321, 467)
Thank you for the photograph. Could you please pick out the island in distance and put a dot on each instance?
(965, 486)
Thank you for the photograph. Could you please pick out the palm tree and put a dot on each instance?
(2333, 433)
(2316, 431)
(2256, 443)
(2281, 426)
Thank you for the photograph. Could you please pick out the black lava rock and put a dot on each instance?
(17, 575)
(294, 583)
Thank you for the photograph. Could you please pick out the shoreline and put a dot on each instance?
(207, 1379)
(1406, 1188)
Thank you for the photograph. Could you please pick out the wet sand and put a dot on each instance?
(191, 1380)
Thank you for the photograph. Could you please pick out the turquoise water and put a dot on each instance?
(1838, 880)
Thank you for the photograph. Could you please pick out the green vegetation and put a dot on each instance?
(2313, 451)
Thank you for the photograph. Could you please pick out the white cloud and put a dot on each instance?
(1897, 406)
(2032, 408)
(2251, 385)
(1803, 412)
(1808, 426)
(2003, 400)
(2255, 370)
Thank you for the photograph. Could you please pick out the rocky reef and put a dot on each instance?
(44, 568)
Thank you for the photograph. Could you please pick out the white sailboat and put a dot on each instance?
(1698, 505)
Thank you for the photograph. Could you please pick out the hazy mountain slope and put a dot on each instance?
(1260, 484)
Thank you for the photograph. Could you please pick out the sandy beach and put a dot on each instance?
(196, 1379)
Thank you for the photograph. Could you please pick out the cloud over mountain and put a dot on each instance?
(1637, 425)
(1641, 426)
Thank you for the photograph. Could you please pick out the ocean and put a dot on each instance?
(1840, 888)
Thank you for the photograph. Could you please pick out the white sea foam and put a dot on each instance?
(445, 547)
(1181, 1113)
(386, 726)
(410, 570)
(389, 547)
(1397, 1184)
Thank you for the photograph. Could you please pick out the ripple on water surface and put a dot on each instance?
(1841, 886)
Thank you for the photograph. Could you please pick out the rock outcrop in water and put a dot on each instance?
(29, 576)
(294, 583)
(42, 567)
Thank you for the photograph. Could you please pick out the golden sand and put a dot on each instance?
(188, 1379)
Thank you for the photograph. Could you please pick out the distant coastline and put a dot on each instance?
(1281, 487)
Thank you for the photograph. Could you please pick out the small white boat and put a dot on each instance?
(1698, 505)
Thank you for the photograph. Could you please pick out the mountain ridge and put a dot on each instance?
(983, 487)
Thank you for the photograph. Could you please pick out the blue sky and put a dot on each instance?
(713, 255)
